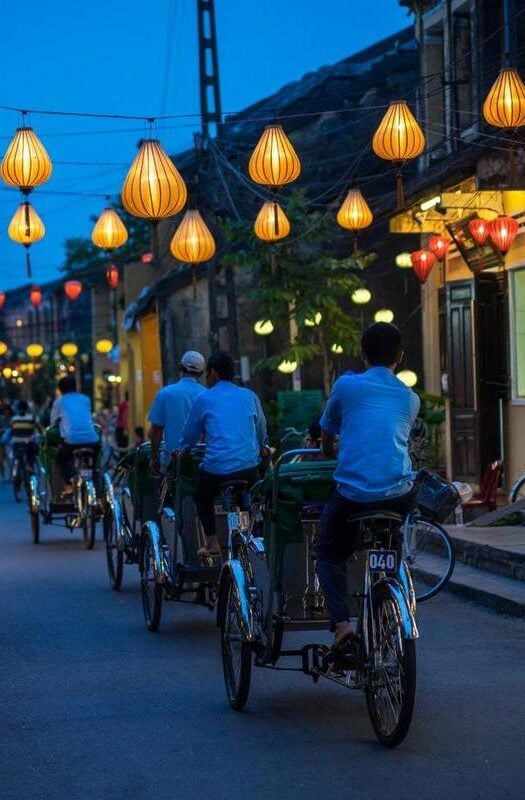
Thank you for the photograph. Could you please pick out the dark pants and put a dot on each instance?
(207, 489)
(64, 457)
(336, 543)
(121, 438)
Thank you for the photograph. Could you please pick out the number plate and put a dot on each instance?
(87, 474)
(382, 561)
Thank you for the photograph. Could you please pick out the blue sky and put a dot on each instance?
(140, 58)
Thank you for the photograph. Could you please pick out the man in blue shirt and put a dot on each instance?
(230, 420)
(372, 413)
(170, 409)
(72, 412)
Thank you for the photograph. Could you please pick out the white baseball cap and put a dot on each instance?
(192, 361)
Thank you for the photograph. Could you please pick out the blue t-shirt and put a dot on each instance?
(170, 410)
(231, 421)
(373, 413)
(72, 411)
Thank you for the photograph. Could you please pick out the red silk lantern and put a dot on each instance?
(502, 231)
(439, 246)
(479, 230)
(73, 290)
(422, 263)
(112, 276)
(35, 295)
(146, 258)
(2, 299)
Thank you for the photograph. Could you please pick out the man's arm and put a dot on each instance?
(330, 424)
(261, 427)
(55, 412)
(156, 418)
(328, 444)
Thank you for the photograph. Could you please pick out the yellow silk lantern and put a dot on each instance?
(69, 349)
(271, 223)
(109, 231)
(287, 367)
(384, 315)
(3, 348)
(192, 242)
(504, 105)
(263, 327)
(337, 349)
(274, 161)
(104, 346)
(26, 163)
(26, 227)
(398, 138)
(361, 296)
(34, 350)
(407, 377)
(355, 213)
(153, 188)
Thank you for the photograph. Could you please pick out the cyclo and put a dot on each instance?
(269, 587)
(46, 499)
(169, 566)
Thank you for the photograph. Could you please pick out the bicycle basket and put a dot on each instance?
(436, 498)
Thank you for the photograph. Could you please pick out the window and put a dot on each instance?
(518, 338)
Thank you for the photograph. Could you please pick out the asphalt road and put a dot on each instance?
(95, 706)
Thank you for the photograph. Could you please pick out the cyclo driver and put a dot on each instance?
(372, 413)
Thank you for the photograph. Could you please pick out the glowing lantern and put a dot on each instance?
(355, 213)
(73, 290)
(311, 322)
(407, 377)
(502, 231)
(3, 348)
(192, 242)
(2, 299)
(337, 349)
(398, 138)
(26, 228)
(104, 346)
(384, 315)
(274, 161)
(35, 295)
(34, 350)
(271, 223)
(404, 261)
(287, 367)
(361, 296)
(109, 231)
(69, 349)
(263, 327)
(479, 230)
(146, 258)
(7, 372)
(439, 246)
(422, 263)
(112, 276)
(153, 188)
(26, 163)
(504, 105)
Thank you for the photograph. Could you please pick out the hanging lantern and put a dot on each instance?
(504, 105)
(439, 246)
(274, 161)
(287, 367)
(361, 296)
(3, 348)
(147, 258)
(34, 350)
(355, 213)
(112, 276)
(502, 231)
(271, 223)
(404, 261)
(104, 346)
(337, 349)
(73, 290)
(109, 231)
(2, 299)
(7, 371)
(312, 322)
(69, 349)
(35, 295)
(192, 242)
(479, 230)
(26, 228)
(384, 315)
(398, 138)
(263, 327)
(26, 163)
(422, 263)
(407, 377)
(153, 188)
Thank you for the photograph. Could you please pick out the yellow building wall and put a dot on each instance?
(151, 361)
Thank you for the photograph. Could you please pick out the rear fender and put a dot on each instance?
(233, 572)
(407, 620)
(151, 532)
(91, 494)
(113, 507)
(408, 586)
(34, 497)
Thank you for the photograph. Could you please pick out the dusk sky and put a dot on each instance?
(139, 58)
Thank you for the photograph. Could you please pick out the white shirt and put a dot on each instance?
(73, 413)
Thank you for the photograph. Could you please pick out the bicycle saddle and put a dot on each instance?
(235, 492)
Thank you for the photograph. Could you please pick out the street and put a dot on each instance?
(95, 706)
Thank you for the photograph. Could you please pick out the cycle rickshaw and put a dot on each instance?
(47, 502)
(269, 587)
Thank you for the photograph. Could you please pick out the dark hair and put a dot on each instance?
(314, 428)
(67, 384)
(381, 344)
(22, 407)
(223, 364)
(139, 431)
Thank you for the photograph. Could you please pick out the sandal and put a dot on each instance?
(203, 552)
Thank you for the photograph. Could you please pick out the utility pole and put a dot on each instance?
(221, 294)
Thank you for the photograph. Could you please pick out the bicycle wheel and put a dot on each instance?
(518, 490)
(89, 521)
(114, 556)
(17, 480)
(35, 526)
(151, 591)
(236, 654)
(391, 684)
(431, 557)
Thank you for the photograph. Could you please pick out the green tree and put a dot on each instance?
(299, 278)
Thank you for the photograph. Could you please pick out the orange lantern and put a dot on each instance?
(109, 231)
(35, 295)
(26, 163)
(439, 246)
(153, 188)
(271, 223)
(274, 161)
(398, 138)
(2, 299)
(192, 242)
(73, 290)
(504, 105)
(479, 230)
(147, 258)
(112, 276)
(422, 263)
(502, 231)
(354, 213)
